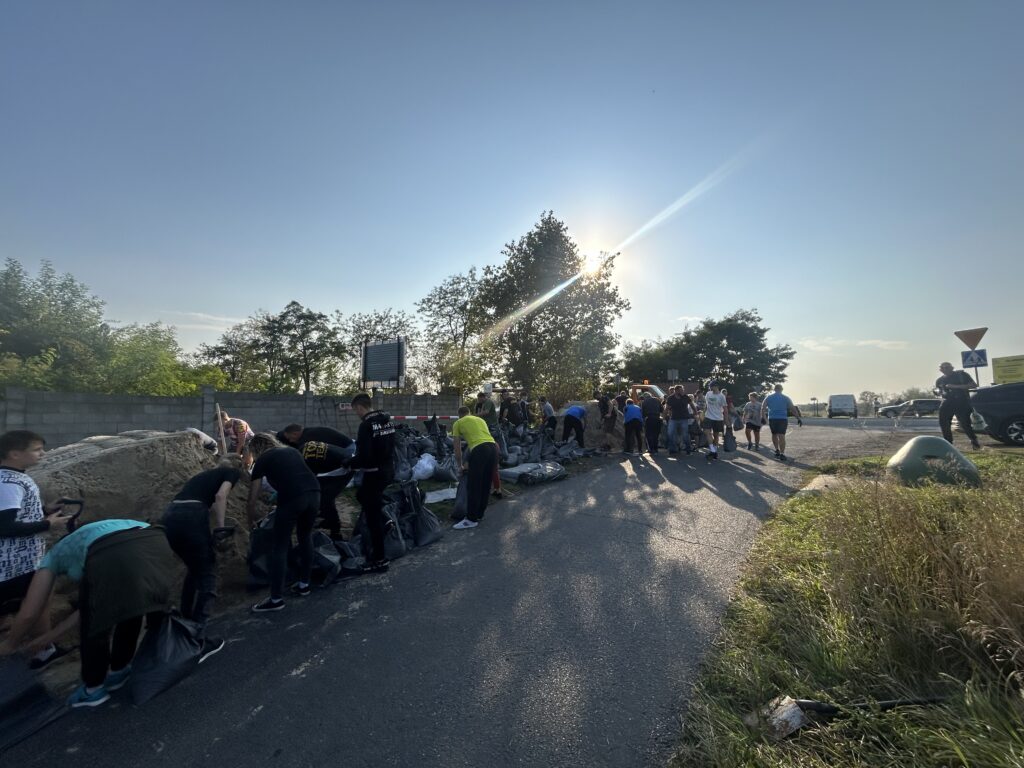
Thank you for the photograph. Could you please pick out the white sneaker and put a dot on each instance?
(464, 524)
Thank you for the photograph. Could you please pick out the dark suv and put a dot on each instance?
(1002, 408)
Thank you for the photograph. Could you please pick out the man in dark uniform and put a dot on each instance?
(955, 389)
(330, 464)
(295, 435)
(375, 455)
(651, 408)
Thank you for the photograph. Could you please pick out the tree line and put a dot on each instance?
(482, 325)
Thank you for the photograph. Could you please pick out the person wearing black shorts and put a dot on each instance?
(715, 406)
(186, 524)
(298, 500)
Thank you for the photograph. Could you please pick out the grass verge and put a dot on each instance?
(870, 593)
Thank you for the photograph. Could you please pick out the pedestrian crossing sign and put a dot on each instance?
(975, 358)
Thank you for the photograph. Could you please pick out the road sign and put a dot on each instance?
(1007, 370)
(976, 358)
(971, 337)
(673, 374)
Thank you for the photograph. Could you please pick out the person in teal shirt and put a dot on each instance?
(777, 407)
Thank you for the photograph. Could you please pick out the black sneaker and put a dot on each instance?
(211, 645)
(268, 604)
(782, 457)
(380, 566)
(496, 494)
(301, 591)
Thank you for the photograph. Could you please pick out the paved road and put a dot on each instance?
(566, 631)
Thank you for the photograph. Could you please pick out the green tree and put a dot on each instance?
(52, 333)
(549, 316)
(733, 350)
(315, 348)
(456, 357)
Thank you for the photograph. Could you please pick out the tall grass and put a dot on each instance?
(870, 593)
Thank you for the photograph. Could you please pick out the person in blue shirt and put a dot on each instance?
(124, 570)
(575, 421)
(633, 423)
(777, 408)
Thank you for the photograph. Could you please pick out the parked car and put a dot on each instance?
(1002, 408)
(922, 407)
(841, 405)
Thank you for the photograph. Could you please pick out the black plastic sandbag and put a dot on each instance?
(461, 508)
(446, 471)
(168, 654)
(261, 547)
(395, 545)
(25, 705)
(351, 555)
(729, 442)
(326, 559)
(420, 526)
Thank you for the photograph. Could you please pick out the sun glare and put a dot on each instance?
(592, 263)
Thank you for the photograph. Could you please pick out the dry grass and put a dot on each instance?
(878, 592)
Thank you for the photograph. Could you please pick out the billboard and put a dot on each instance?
(384, 363)
(1007, 370)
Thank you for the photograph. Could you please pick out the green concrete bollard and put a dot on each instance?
(931, 458)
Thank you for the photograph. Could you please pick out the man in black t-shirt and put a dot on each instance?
(330, 465)
(186, 523)
(375, 455)
(298, 500)
(296, 435)
(954, 387)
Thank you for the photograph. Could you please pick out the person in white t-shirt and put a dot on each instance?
(715, 406)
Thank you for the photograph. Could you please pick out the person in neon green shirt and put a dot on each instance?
(483, 454)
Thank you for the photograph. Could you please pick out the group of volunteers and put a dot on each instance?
(124, 569)
(711, 413)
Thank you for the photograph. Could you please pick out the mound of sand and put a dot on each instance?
(594, 434)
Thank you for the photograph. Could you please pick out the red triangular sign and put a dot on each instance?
(971, 337)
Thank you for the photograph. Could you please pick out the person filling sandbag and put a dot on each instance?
(237, 433)
(375, 456)
(187, 525)
(23, 520)
(124, 569)
(483, 453)
(298, 500)
(330, 465)
(296, 436)
(574, 422)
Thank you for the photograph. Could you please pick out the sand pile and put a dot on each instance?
(594, 433)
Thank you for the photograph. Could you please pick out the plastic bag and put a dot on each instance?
(446, 470)
(351, 554)
(403, 469)
(169, 653)
(394, 543)
(425, 467)
(25, 705)
(729, 442)
(737, 423)
(461, 508)
(420, 526)
(326, 560)
(261, 547)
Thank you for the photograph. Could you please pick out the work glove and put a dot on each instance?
(223, 538)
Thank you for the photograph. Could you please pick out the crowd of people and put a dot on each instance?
(124, 568)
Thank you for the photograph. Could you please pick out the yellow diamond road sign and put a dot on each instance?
(971, 337)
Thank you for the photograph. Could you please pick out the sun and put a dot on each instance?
(592, 264)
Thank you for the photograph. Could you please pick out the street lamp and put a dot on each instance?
(814, 402)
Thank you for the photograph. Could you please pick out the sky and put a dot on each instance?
(854, 171)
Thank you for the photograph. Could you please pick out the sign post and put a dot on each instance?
(972, 338)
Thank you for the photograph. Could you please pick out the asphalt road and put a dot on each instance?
(565, 631)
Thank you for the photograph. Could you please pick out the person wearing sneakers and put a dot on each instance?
(23, 521)
(715, 406)
(124, 570)
(955, 389)
(752, 422)
(777, 407)
(375, 455)
(483, 453)
(186, 523)
(298, 501)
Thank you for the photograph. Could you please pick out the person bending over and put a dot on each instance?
(483, 453)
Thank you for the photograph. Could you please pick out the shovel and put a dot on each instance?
(784, 716)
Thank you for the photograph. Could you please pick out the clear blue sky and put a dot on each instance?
(195, 161)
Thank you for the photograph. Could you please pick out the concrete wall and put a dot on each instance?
(66, 417)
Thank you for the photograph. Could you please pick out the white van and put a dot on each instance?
(842, 405)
